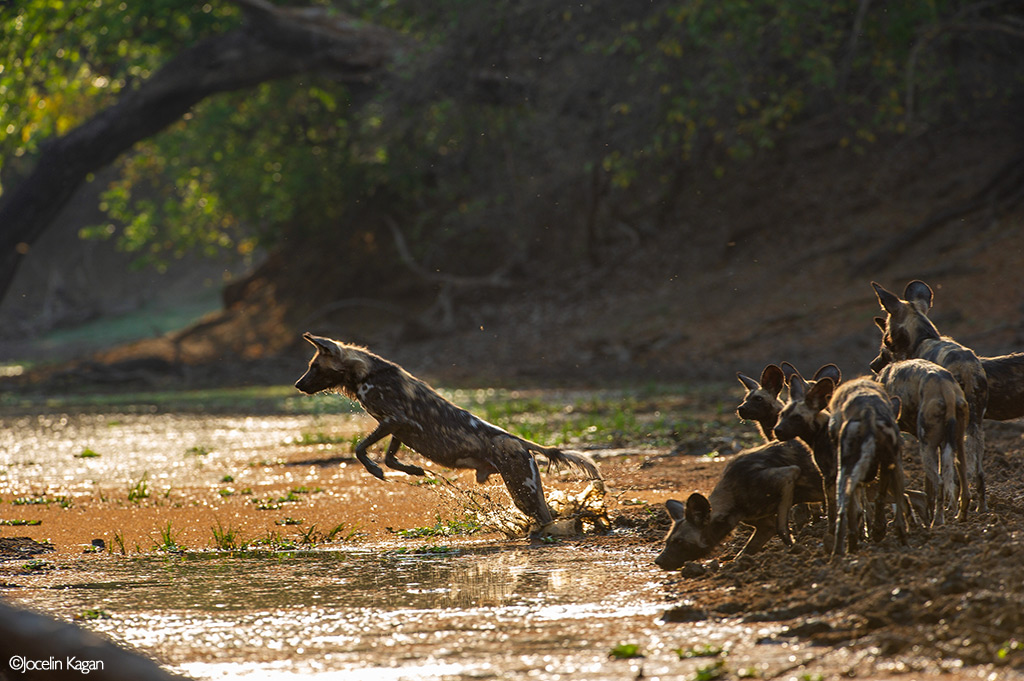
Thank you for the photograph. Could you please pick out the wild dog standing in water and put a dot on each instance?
(761, 404)
(414, 414)
(1005, 375)
(805, 416)
(934, 410)
(908, 333)
(863, 428)
(757, 488)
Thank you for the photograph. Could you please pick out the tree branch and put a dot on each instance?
(272, 43)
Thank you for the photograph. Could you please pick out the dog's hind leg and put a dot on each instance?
(378, 434)
(391, 462)
(519, 471)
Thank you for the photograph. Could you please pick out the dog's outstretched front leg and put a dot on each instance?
(391, 462)
(378, 434)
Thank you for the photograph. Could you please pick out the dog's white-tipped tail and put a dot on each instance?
(577, 460)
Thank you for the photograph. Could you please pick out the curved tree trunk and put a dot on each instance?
(272, 43)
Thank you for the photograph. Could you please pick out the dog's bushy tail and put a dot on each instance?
(576, 460)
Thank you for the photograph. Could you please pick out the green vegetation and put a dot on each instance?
(668, 88)
(431, 550)
(625, 651)
(442, 528)
(1008, 648)
(139, 490)
(87, 454)
(717, 670)
(168, 541)
(63, 501)
(20, 523)
(92, 614)
(705, 650)
(226, 538)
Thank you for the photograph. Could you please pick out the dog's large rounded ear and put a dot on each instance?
(323, 344)
(881, 324)
(797, 386)
(820, 393)
(675, 509)
(772, 379)
(919, 294)
(698, 509)
(748, 383)
(829, 371)
(889, 301)
(897, 406)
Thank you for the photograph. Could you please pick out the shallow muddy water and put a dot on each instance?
(496, 611)
(373, 606)
(370, 602)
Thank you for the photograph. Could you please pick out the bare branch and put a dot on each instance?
(495, 278)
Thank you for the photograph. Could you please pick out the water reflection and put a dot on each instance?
(218, 582)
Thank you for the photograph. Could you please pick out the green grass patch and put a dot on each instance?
(43, 500)
(168, 541)
(442, 528)
(138, 490)
(706, 650)
(20, 523)
(625, 651)
(92, 614)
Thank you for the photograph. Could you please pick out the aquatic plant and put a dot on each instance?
(43, 500)
(625, 651)
(139, 490)
(119, 540)
(442, 528)
(312, 537)
(226, 538)
(92, 614)
(711, 671)
(168, 540)
(705, 650)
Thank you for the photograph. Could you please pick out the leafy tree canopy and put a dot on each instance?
(496, 114)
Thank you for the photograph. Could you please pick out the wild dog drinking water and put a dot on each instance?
(862, 426)
(935, 411)
(416, 415)
(757, 488)
(761, 404)
(908, 333)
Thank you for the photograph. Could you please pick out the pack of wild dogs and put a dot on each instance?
(835, 443)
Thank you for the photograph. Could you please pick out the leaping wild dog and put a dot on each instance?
(908, 333)
(935, 411)
(757, 488)
(863, 428)
(761, 404)
(416, 415)
(1005, 375)
(805, 416)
